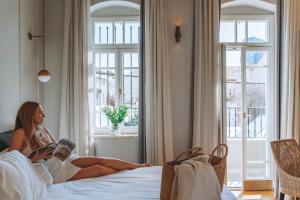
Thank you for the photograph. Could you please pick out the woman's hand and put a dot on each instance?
(44, 155)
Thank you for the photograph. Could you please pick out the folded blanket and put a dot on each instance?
(195, 179)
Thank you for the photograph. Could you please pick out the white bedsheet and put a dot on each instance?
(138, 184)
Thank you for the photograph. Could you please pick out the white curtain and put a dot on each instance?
(158, 117)
(74, 120)
(290, 102)
(207, 77)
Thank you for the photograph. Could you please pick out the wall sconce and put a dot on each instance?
(177, 33)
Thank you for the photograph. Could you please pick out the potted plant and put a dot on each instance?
(116, 115)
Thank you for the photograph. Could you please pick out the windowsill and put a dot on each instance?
(123, 133)
(116, 136)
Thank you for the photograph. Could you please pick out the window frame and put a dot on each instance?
(268, 46)
(118, 49)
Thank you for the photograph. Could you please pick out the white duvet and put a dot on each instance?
(138, 184)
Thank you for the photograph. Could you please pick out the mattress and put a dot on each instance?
(138, 184)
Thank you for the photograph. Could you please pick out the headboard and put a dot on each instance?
(5, 139)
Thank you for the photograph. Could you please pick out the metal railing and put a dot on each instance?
(256, 122)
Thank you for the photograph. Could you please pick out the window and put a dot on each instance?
(116, 69)
(245, 31)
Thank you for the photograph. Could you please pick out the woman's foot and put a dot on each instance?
(135, 166)
(146, 165)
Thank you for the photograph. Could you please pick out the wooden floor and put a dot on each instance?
(254, 195)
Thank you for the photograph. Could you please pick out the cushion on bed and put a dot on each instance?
(18, 179)
(5, 139)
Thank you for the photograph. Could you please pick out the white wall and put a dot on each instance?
(9, 63)
(181, 60)
(125, 148)
(54, 22)
(20, 58)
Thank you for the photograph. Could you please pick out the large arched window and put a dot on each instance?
(115, 40)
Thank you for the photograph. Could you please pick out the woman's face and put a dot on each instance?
(38, 115)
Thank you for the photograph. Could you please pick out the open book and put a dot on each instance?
(62, 150)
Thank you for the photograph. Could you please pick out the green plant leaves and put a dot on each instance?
(116, 115)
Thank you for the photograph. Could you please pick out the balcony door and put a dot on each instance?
(249, 113)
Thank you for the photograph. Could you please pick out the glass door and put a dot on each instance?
(257, 113)
(249, 113)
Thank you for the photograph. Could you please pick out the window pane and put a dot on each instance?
(127, 60)
(257, 31)
(103, 33)
(257, 58)
(96, 33)
(257, 75)
(119, 32)
(97, 60)
(111, 60)
(103, 97)
(97, 121)
(103, 60)
(111, 88)
(233, 58)
(135, 88)
(127, 87)
(132, 32)
(227, 31)
(105, 93)
(135, 59)
(241, 31)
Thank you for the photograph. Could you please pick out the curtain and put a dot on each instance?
(158, 116)
(290, 80)
(142, 109)
(74, 117)
(207, 75)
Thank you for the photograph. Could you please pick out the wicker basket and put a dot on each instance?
(168, 172)
(287, 158)
(219, 163)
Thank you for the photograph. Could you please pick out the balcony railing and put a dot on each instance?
(256, 122)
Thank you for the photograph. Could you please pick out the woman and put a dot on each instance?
(28, 136)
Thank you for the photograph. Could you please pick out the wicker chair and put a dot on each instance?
(287, 157)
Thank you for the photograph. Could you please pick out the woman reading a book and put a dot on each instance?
(28, 137)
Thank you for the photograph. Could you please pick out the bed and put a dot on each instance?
(138, 184)
(142, 184)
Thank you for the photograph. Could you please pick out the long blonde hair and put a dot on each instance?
(24, 120)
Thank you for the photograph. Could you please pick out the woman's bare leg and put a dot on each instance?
(108, 162)
(93, 171)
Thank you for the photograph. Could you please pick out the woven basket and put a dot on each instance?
(168, 172)
(219, 163)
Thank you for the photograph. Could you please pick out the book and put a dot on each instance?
(62, 150)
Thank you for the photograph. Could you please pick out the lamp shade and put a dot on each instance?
(44, 75)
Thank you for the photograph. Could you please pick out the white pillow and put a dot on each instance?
(18, 179)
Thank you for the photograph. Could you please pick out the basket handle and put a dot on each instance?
(220, 146)
(190, 153)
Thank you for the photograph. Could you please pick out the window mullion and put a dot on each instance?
(246, 31)
(118, 72)
(235, 31)
(113, 32)
(123, 32)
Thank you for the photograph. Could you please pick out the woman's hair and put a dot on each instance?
(24, 120)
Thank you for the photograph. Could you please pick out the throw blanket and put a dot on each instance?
(195, 179)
